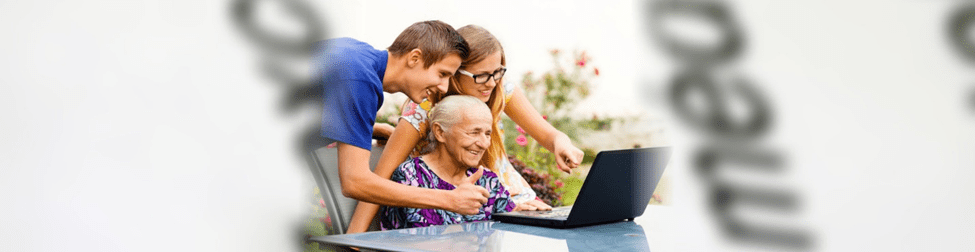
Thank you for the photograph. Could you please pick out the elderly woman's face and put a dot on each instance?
(469, 139)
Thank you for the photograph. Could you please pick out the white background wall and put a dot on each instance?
(148, 126)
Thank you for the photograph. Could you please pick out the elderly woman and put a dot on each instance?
(460, 133)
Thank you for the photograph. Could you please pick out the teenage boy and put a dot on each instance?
(354, 75)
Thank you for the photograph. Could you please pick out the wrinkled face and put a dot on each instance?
(487, 66)
(467, 140)
(423, 82)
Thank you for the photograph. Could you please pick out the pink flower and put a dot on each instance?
(558, 184)
(520, 130)
(545, 117)
(321, 202)
(582, 59)
(521, 140)
(596, 70)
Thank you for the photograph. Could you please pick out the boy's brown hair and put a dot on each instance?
(434, 38)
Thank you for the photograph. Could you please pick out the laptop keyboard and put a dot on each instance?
(564, 212)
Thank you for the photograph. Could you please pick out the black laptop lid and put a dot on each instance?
(619, 185)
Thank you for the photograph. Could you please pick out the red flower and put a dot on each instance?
(558, 184)
(596, 70)
(581, 62)
(545, 117)
(521, 140)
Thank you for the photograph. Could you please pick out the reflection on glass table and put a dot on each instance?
(496, 236)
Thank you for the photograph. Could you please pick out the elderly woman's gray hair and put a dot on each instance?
(448, 112)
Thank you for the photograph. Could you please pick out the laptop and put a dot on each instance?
(619, 187)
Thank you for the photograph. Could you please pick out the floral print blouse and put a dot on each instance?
(415, 172)
(416, 115)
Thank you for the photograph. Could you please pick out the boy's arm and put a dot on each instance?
(359, 183)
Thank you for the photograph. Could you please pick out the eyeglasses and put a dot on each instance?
(483, 78)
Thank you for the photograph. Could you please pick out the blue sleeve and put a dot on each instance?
(352, 91)
(349, 112)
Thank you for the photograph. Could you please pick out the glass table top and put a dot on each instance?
(497, 236)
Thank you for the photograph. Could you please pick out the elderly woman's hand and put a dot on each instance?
(532, 205)
(567, 156)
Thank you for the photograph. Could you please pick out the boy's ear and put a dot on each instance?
(414, 57)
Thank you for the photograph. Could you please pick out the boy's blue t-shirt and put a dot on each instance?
(351, 73)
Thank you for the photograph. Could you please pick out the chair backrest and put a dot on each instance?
(324, 163)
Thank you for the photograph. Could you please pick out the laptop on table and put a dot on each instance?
(619, 187)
